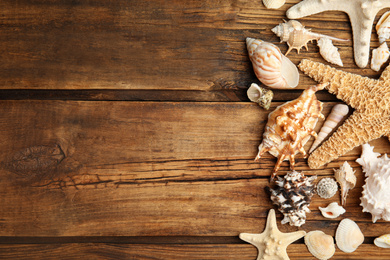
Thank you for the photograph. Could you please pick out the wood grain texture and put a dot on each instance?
(160, 45)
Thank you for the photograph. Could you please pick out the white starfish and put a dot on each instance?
(272, 244)
(361, 14)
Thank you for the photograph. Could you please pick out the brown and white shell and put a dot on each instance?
(383, 27)
(320, 245)
(293, 195)
(290, 126)
(296, 36)
(260, 95)
(271, 67)
(348, 236)
(379, 56)
(345, 176)
(327, 188)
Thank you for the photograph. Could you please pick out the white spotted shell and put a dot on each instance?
(348, 236)
(333, 210)
(383, 241)
(327, 188)
(271, 67)
(320, 245)
(273, 4)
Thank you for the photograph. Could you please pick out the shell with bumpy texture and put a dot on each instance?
(271, 67)
(273, 4)
(348, 236)
(329, 52)
(333, 210)
(320, 245)
(293, 196)
(379, 56)
(383, 27)
(260, 95)
(345, 176)
(290, 126)
(376, 193)
(327, 188)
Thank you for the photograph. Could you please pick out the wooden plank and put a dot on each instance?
(185, 45)
(201, 251)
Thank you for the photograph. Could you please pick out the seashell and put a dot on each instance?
(293, 196)
(271, 67)
(260, 95)
(329, 52)
(290, 126)
(333, 210)
(383, 27)
(345, 176)
(320, 245)
(383, 241)
(376, 192)
(273, 4)
(327, 188)
(348, 236)
(379, 56)
(296, 36)
(336, 115)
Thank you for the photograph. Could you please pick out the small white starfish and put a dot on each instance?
(272, 244)
(361, 14)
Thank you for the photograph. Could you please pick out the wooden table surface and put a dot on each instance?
(126, 132)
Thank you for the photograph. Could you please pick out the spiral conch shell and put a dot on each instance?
(290, 126)
(345, 176)
(260, 95)
(376, 193)
(320, 245)
(383, 27)
(271, 67)
(379, 56)
(296, 36)
(329, 52)
(348, 236)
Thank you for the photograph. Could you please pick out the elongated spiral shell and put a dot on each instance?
(345, 176)
(329, 52)
(271, 67)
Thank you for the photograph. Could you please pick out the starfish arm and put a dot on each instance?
(358, 129)
(309, 7)
(289, 238)
(359, 92)
(361, 30)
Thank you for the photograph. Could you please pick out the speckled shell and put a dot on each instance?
(327, 188)
(383, 27)
(376, 193)
(260, 95)
(379, 56)
(273, 4)
(271, 67)
(333, 210)
(293, 196)
(290, 126)
(320, 245)
(348, 236)
(329, 52)
(345, 176)
(383, 241)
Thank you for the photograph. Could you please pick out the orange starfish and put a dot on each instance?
(369, 97)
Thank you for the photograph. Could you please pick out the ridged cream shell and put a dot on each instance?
(383, 27)
(348, 236)
(379, 56)
(271, 67)
(383, 241)
(329, 52)
(273, 4)
(333, 210)
(320, 245)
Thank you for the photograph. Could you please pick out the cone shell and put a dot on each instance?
(379, 56)
(383, 27)
(260, 95)
(271, 67)
(348, 236)
(383, 241)
(273, 4)
(320, 245)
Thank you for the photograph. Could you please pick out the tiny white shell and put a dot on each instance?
(383, 241)
(327, 188)
(333, 210)
(320, 245)
(260, 95)
(383, 27)
(379, 56)
(348, 236)
(273, 4)
(329, 52)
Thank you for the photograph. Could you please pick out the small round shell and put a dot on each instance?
(383, 241)
(273, 4)
(333, 210)
(327, 188)
(383, 27)
(260, 95)
(348, 236)
(320, 245)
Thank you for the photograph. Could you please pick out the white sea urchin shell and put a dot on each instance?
(327, 188)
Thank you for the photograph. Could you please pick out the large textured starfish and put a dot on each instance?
(272, 244)
(369, 97)
(361, 14)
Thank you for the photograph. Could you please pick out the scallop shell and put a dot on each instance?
(273, 4)
(348, 236)
(345, 176)
(336, 115)
(320, 245)
(376, 193)
(333, 210)
(271, 67)
(379, 56)
(296, 36)
(290, 126)
(327, 188)
(383, 241)
(329, 52)
(383, 27)
(293, 196)
(260, 95)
